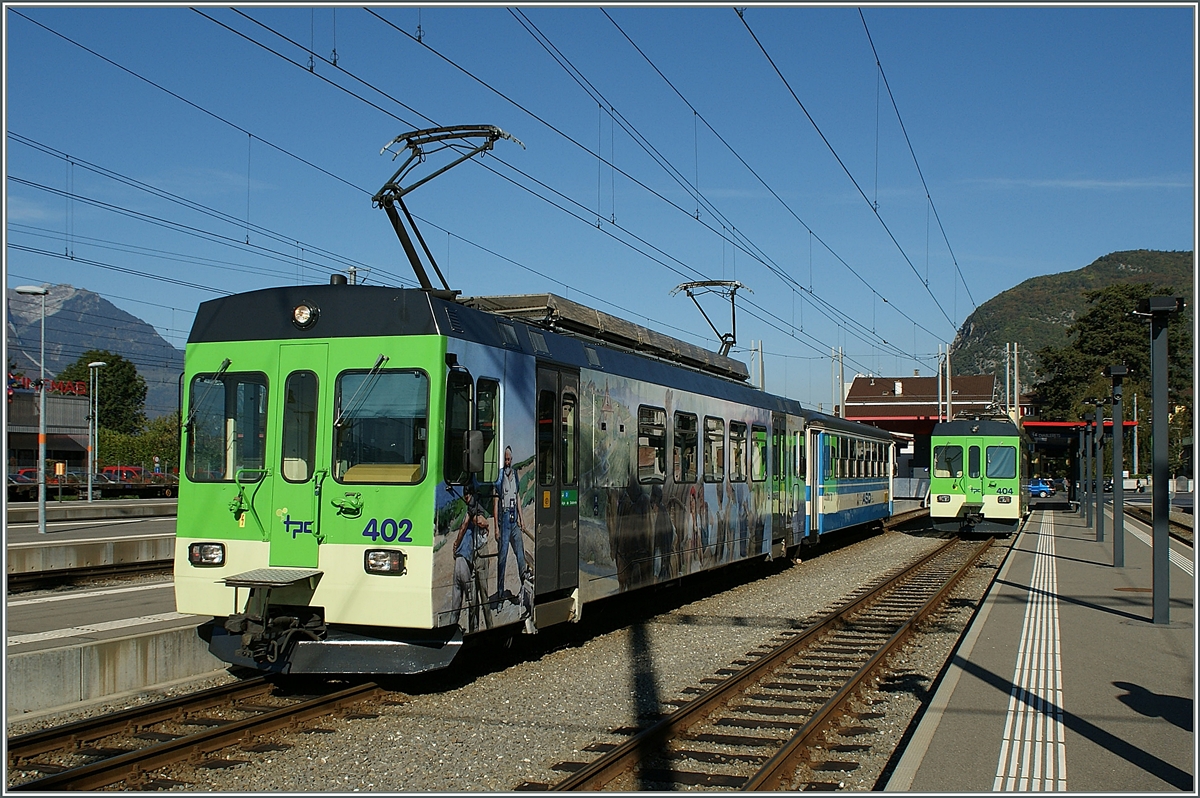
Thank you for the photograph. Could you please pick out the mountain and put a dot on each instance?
(78, 320)
(1036, 313)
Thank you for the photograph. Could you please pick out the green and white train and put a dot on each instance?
(371, 474)
(976, 475)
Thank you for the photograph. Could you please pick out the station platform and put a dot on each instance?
(1063, 682)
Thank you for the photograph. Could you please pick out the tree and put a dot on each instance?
(121, 391)
(1110, 333)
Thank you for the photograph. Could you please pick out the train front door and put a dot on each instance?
(972, 480)
(292, 516)
(556, 535)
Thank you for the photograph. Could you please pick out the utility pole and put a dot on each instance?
(1007, 380)
(939, 383)
(1136, 430)
(1159, 309)
(1017, 379)
(949, 388)
(1117, 373)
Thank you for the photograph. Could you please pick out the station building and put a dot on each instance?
(67, 407)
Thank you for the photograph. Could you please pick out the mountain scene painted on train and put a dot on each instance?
(869, 176)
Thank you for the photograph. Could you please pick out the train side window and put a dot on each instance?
(545, 436)
(227, 433)
(685, 448)
(973, 462)
(758, 452)
(714, 449)
(568, 438)
(1001, 462)
(380, 435)
(652, 444)
(948, 461)
(460, 393)
(487, 414)
(737, 451)
(298, 450)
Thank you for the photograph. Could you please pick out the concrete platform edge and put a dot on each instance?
(63, 678)
(906, 770)
(82, 511)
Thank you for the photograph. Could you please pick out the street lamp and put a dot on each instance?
(93, 419)
(42, 291)
(1118, 373)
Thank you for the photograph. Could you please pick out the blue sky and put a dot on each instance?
(1047, 137)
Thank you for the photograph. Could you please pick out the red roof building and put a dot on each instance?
(910, 404)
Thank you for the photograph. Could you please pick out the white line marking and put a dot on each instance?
(76, 541)
(1180, 561)
(88, 594)
(1033, 754)
(92, 628)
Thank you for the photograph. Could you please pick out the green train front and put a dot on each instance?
(304, 511)
(977, 469)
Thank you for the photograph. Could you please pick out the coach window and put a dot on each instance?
(947, 461)
(227, 416)
(652, 444)
(1001, 462)
(758, 452)
(714, 449)
(381, 427)
(459, 395)
(487, 413)
(801, 464)
(547, 403)
(569, 418)
(299, 447)
(737, 451)
(685, 448)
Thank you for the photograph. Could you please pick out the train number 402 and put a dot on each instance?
(389, 529)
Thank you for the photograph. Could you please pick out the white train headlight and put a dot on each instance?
(305, 315)
(388, 562)
(943, 498)
(206, 554)
(1004, 499)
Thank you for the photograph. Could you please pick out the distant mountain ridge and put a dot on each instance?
(78, 320)
(1036, 313)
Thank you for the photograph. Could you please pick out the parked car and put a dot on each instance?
(21, 487)
(1040, 488)
(125, 473)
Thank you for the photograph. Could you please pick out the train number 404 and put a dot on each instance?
(389, 529)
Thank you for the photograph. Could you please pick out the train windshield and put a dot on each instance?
(383, 422)
(1001, 462)
(226, 429)
(947, 461)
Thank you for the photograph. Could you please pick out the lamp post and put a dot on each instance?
(93, 419)
(1159, 309)
(1088, 419)
(42, 291)
(1117, 373)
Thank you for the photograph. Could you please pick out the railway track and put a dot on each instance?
(1180, 532)
(128, 747)
(764, 726)
(57, 577)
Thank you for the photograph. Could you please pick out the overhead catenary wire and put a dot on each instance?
(318, 167)
(742, 16)
(913, 152)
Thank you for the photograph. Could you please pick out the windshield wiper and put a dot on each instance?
(370, 379)
(213, 381)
